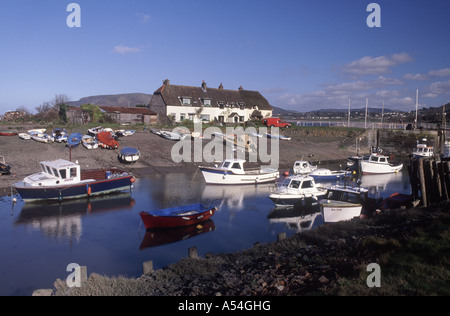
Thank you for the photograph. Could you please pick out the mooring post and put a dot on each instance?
(423, 189)
(193, 253)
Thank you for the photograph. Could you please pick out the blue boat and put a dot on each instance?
(74, 140)
(61, 179)
(327, 174)
(129, 155)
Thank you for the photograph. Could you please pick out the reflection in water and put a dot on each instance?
(161, 236)
(297, 219)
(64, 220)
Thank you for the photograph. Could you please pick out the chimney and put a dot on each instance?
(221, 86)
(240, 88)
(166, 82)
(204, 86)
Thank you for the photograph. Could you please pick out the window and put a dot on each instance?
(73, 172)
(221, 118)
(294, 184)
(236, 165)
(226, 164)
(307, 185)
(206, 102)
(241, 119)
(186, 101)
(182, 116)
(63, 173)
(205, 117)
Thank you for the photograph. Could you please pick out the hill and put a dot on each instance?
(120, 100)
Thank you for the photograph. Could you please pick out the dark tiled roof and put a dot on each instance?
(172, 93)
(126, 110)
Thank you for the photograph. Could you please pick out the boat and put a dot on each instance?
(423, 151)
(61, 180)
(327, 174)
(95, 130)
(37, 131)
(74, 140)
(342, 203)
(379, 164)
(107, 141)
(297, 191)
(9, 133)
(303, 167)
(178, 216)
(397, 200)
(25, 136)
(243, 142)
(42, 138)
(60, 135)
(4, 168)
(124, 133)
(232, 171)
(280, 137)
(89, 142)
(129, 155)
(172, 135)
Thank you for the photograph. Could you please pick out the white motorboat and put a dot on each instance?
(343, 203)
(232, 171)
(129, 155)
(423, 151)
(25, 136)
(297, 191)
(303, 167)
(379, 164)
(60, 135)
(89, 142)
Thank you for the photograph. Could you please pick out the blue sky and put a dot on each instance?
(301, 55)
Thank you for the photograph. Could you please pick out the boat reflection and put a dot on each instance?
(297, 219)
(64, 220)
(161, 236)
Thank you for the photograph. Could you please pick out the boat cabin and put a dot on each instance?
(303, 167)
(234, 165)
(377, 158)
(56, 172)
(349, 195)
(422, 150)
(299, 183)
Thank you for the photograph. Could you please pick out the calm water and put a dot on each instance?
(106, 235)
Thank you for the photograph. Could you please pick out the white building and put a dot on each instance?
(179, 103)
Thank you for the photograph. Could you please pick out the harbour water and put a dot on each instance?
(106, 235)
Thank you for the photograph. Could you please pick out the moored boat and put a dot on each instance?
(379, 164)
(42, 138)
(9, 133)
(89, 142)
(326, 174)
(342, 203)
(129, 155)
(4, 168)
(303, 167)
(74, 140)
(297, 191)
(232, 171)
(25, 136)
(423, 151)
(178, 216)
(60, 135)
(61, 179)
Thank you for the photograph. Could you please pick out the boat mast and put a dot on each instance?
(417, 106)
(367, 109)
(348, 124)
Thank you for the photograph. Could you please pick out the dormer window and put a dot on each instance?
(186, 101)
(206, 102)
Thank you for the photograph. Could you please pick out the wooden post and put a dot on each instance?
(193, 253)
(423, 188)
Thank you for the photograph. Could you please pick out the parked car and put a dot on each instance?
(275, 122)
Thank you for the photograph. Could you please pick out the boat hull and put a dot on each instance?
(368, 167)
(77, 191)
(335, 211)
(217, 176)
(292, 200)
(166, 219)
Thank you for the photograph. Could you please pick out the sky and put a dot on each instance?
(301, 55)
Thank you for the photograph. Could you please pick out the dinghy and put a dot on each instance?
(129, 155)
(89, 142)
(74, 140)
(107, 141)
(178, 216)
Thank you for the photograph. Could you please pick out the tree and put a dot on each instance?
(95, 112)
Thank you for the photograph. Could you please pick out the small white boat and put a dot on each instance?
(42, 138)
(280, 137)
(343, 203)
(36, 131)
(423, 151)
(297, 191)
(232, 171)
(172, 135)
(25, 136)
(303, 167)
(89, 142)
(60, 135)
(95, 130)
(379, 164)
(327, 174)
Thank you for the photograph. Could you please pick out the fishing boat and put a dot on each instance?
(107, 141)
(326, 174)
(60, 135)
(129, 155)
(89, 142)
(61, 179)
(74, 140)
(379, 164)
(303, 167)
(232, 171)
(423, 151)
(342, 203)
(297, 191)
(178, 216)
(42, 138)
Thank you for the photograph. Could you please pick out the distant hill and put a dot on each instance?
(282, 112)
(120, 100)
